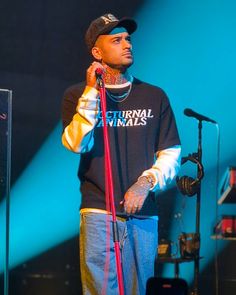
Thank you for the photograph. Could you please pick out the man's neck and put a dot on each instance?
(116, 77)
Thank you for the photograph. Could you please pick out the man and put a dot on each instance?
(145, 153)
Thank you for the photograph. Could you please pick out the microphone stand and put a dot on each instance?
(109, 185)
(198, 207)
(200, 172)
(198, 157)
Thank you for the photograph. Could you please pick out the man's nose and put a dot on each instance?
(127, 44)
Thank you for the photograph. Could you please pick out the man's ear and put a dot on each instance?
(96, 52)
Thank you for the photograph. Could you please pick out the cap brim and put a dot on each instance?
(129, 24)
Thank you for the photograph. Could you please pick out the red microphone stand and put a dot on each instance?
(109, 182)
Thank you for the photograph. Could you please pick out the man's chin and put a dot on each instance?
(129, 62)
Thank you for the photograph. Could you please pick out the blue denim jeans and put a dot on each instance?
(138, 243)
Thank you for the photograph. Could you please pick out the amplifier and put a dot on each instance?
(226, 227)
(228, 187)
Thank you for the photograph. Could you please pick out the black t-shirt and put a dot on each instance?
(138, 127)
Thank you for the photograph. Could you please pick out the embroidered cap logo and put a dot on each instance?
(109, 19)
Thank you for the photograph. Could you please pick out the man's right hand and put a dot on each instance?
(91, 78)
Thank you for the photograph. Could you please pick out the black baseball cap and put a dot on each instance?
(104, 25)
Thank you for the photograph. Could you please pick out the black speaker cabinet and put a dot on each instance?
(5, 172)
(166, 286)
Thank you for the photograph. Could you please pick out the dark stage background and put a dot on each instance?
(41, 53)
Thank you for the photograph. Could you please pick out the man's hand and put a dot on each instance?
(91, 78)
(136, 195)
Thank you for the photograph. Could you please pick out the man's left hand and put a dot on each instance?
(136, 195)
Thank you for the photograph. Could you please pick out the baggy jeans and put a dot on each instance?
(138, 245)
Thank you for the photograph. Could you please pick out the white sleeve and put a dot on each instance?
(78, 135)
(165, 168)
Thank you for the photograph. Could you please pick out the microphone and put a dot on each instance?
(99, 72)
(191, 113)
(99, 75)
